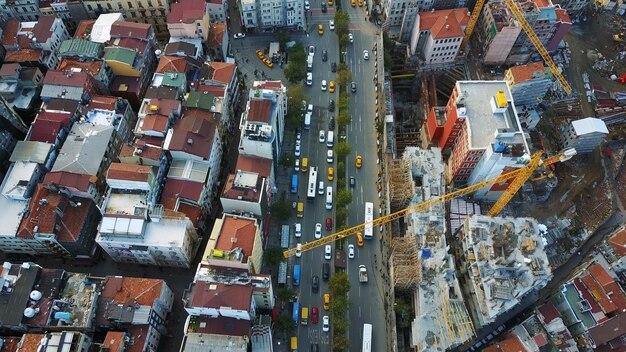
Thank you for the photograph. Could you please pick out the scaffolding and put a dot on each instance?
(456, 323)
(406, 263)
(402, 187)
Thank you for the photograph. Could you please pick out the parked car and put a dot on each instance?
(297, 151)
(309, 78)
(331, 124)
(324, 85)
(299, 250)
(331, 87)
(239, 36)
(311, 49)
(331, 174)
(297, 165)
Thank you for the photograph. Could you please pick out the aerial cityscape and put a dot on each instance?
(299, 175)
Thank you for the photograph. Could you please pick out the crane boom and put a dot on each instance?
(521, 174)
(537, 43)
(471, 24)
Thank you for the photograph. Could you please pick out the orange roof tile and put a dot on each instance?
(525, 72)
(215, 295)
(148, 152)
(444, 23)
(103, 102)
(92, 67)
(155, 122)
(130, 172)
(23, 41)
(218, 91)
(114, 341)
(125, 290)
(511, 344)
(222, 71)
(598, 294)
(260, 110)
(600, 275)
(237, 232)
(163, 106)
(261, 166)
(216, 35)
(618, 243)
(274, 85)
(122, 29)
(138, 335)
(31, 342)
(196, 128)
(9, 36)
(186, 11)
(172, 63)
(84, 29)
(193, 212)
(541, 3)
(27, 55)
(43, 29)
(562, 16)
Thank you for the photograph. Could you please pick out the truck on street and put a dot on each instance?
(362, 274)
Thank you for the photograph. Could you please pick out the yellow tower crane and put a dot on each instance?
(520, 176)
(529, 32)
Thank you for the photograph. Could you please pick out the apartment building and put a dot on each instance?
(437, 35)
(248, 14)
(248, 191)
(217, 10)
(400, 17)
(152, 12)
(584, 135)
(266, 15)
(480, 132)
(23, 10)
(529, 83)
(237, 238)
(189, 19)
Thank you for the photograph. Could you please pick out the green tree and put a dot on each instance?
(284, 324)
(404, 315)
(344, 76)
(341, 215)
(295, 108)
(340, 343)
(296, 69)
(339, 284)
(344, 197)
(286, 294)
(342, 20)
(285, 160)
(273, 256)
(343, 42)
(344, 101)
(342, 149)
(341, 169)
(282, 210)
(343, 118)
(282, 38)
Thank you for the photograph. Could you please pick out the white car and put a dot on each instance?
(322, 136)
(331, 25)
(351, 37)
(366, 55)
(311, 50)
(326, 324)
(297, 165)
(324, 85)
(329, 156)
(321, 189)
(309, 78)
(318, 230)
(351, 251)
(328, 252)
(309, 108)
(297, 151)
(239, 36)
(298, 230)
(307, 5)
(299, 250)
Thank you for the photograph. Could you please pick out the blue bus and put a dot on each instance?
(294, 183)
(296, 275)
(296, 312)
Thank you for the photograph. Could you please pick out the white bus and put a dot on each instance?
(329, 198)
(310, 193)
(367, 338)
(369, 216)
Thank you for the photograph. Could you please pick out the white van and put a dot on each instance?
(307, 121)
(329, 198)
(298, 229)
(329, 139)
(320, 190)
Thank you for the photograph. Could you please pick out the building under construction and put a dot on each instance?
(502, 260)
(421, 264)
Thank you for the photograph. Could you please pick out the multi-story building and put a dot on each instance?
(77, 86)
(248, 14)
(271, 14)
(156, 117)
(71, 12)
(584, 135)
(237, 238)
(529, 83)
(131, 50)
(437, 35)
(502, 261)
(215, 75)
(507, 44)
(134, 229)
(23, 10)
(574, 8)
(189, 19)
(294, 15)
(480, 132)
(20, 85)
(263, 123)
(247, 191)
(152, 12)
(217, 10)
(400, 16)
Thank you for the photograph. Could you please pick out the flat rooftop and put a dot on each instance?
(133, 204)
(168, 231)
(483, 122)
(11, 215)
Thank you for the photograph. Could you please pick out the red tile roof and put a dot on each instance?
(31, 342)
(222, 71)
(125, 290)
(224, 326)
(600, 275)
(163, 106)
(562, 16)
(237, 233)
(60, 78)
(131, 43)
(121, 29)
(43, 29)
(47, 125)
(193, 134)
(549, 312)
(103, 102)
(92, 67)
(610, 287)
(130, 172)
(444, 23)
(26, 55)
(608, 330)
(598, 294)
(261, 166)
(618, 243)
(70, 180)
(9, 36)
(511, 344)
(193, 212)
(186, 11)
(241, 193)
(218, 91)
(11, 343)
(260, 110)
(523, 73)
(46, 218)
(148, 152)
(114, 340)
(274, 85)
(217, 295)
(175, 189)
(84, 29)
(595, 307)
(155, 122)
(172, 63)
(138, 336)
(9, 69)
(23, 41)
(216, 35)
(540, 339)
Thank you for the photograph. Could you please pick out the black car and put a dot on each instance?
(324, 7)
(315, 284)
(325, 271)
(353, 87)
(331, 124)
(352, 181)
(333, 67)
(331, 106)
(325, 56)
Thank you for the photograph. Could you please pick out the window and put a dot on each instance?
(130, 5)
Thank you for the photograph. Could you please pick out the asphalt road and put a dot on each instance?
(366, 300)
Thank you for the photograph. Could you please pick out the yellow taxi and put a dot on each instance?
(326, 301)
(353, 3)
(320, 29)
(331, 173)
(359, 239)
(331, 87)
(361, 3)
(268, 62)
(330, 2)
(259, 53)
(359, 161)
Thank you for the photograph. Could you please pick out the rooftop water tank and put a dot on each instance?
(35, 295)
(29, 312)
